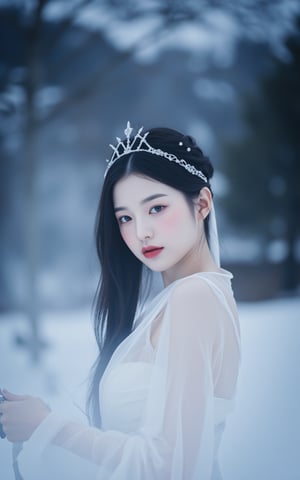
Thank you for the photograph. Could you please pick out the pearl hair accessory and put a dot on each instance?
(181, 145)
(140, 144)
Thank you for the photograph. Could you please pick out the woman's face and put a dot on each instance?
(157, 224)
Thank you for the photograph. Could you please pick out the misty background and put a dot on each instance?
(72, 73)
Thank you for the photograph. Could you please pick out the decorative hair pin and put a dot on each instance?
(139, 143)
(188, 149)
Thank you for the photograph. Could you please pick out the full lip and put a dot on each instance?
(151, 248)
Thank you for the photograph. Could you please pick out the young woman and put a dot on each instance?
(166, 375)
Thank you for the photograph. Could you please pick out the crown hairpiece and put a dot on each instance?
(139, 144)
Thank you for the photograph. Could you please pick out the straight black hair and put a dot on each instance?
(119, 287)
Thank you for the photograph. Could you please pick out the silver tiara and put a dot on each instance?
(140, 144)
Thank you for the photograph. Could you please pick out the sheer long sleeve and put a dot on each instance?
(175, 436)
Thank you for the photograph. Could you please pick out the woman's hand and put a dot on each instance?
(20, 415)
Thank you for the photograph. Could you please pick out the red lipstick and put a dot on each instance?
(151, 251)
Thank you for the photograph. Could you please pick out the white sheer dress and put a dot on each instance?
(163, 406)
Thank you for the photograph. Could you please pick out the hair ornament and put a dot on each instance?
(188, 149)
(139, 143)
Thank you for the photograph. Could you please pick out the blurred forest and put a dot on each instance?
(73, 72)
(265, 163)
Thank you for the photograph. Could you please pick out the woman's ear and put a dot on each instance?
(203, 202)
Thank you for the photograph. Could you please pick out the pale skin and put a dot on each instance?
(152, 213)
(21, 415)
(148, 213)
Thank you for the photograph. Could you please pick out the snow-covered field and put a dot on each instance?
(262, 438)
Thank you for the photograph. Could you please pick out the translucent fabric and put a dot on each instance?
(164, 396)
(213, 235)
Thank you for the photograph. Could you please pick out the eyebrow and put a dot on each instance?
(145, 200)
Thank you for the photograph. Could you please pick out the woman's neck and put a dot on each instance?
(199, 260)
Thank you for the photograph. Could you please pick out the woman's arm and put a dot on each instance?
(176, 440)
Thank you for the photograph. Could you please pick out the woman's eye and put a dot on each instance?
(124, 219)
(157, 209)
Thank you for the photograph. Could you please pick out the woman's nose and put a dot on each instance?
(143, 230)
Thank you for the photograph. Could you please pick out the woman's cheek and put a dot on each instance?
(172, 220)
(127, 236)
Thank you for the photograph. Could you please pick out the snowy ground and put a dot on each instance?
(262, 438)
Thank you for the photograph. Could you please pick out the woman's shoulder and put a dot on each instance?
(201, 297)
(194, 300)
(195, 286)
(190, 288)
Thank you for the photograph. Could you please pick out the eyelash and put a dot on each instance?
(120, 219)
(160, 207)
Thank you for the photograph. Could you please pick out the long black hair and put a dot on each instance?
(119, 286)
